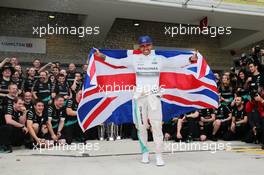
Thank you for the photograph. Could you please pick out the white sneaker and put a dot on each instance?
(145, 157)
(159, 160)
(118, 138)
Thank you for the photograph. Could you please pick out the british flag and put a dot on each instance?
(107, 92)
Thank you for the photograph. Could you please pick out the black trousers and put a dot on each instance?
(240, 133)
(72, 132)
(91, 134)
(10, 135)
(207, 129)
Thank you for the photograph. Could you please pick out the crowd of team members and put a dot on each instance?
(240, 115)
(38, 106)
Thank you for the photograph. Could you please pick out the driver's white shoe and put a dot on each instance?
(145, 157)
(159, 160)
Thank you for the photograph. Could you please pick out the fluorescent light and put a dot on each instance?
(136, 24)
(51, 16)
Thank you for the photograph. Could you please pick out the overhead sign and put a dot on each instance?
(19, 44)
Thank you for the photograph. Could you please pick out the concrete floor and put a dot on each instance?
(123, 157)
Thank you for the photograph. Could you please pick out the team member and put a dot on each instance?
(71, 127)
(77, 84)
(36, 122)
(222, 122)
(15, 119)
(5, 81)
(239, 125)
(56, 118)
(207, 118)
(191, 129)
(42, 88)
(62, 88)
(29, 80)
(71, 74)
(147, 102)
(28, 99)
(16, 79)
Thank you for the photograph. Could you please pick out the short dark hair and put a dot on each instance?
(15, 100)
(58, 96)
(252, 62)
(38, 101)
(61, 75)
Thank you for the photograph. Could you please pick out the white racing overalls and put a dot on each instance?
(147, 104)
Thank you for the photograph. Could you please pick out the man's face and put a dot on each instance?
(28, 97)
(55, 71)
(13, 90)
(78, 77)
(72, 67)
(238, 101)
(146, 48)
(42, 76)
(84, 67)
(18, 68)
(7, 73)
(252, 68)
(39, 107)
(31, 72)
(13, 61)
(36, 63)
(19, 105)
(59, 102)
(61, 79)
(15, 75)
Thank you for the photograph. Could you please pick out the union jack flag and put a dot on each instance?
(107, 91)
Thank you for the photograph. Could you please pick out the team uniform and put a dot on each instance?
(56, 115)
(241, 129)
(70, 78)
(28, 84)
(43, 90)
(41, 120)
(71, 127)
(222, 113)
(190, 127)
(3, 90)
(206, 128)
(12, 134)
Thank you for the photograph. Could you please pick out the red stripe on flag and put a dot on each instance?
(92, 70)
(98, 110)
(119, 82)
(105, 63)
(203, 68)
(186, 102)
(172, 80)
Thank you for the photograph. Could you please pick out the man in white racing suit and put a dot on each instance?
(147, 103)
